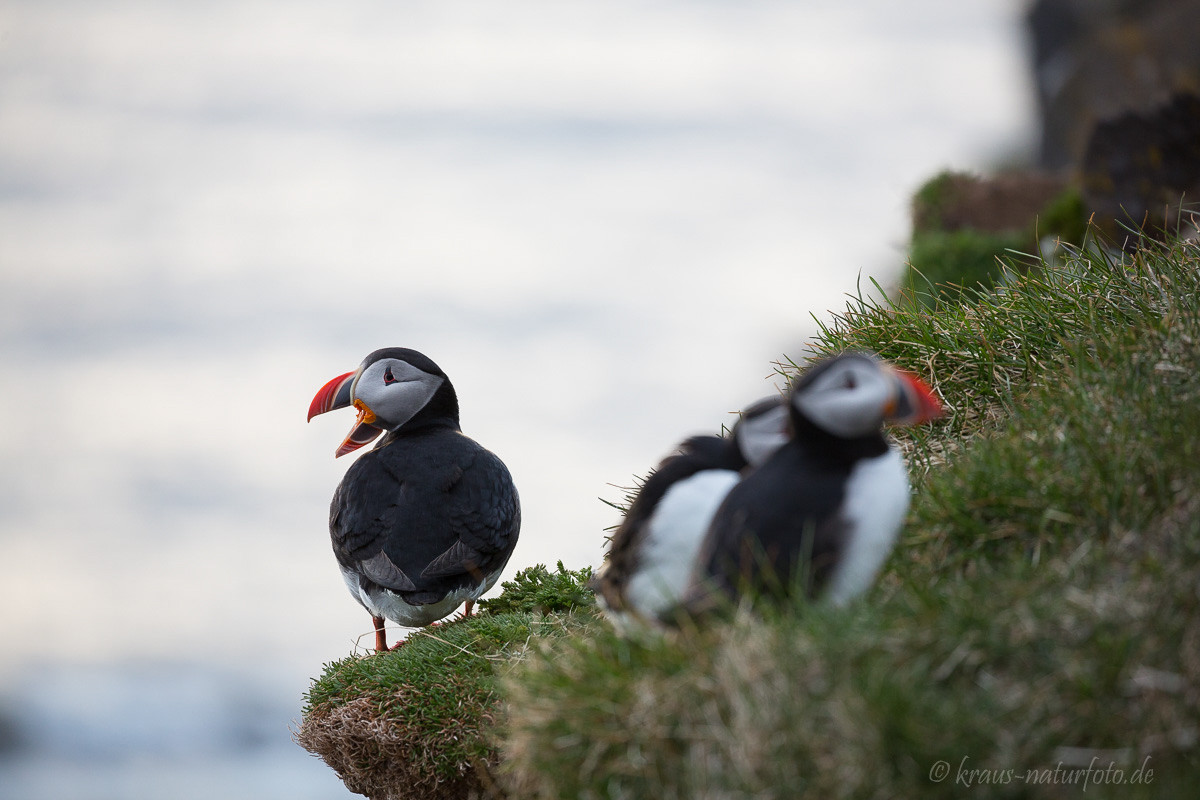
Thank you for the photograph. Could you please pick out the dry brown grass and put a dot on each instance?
(380, 757)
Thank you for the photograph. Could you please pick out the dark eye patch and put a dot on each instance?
(388, 377)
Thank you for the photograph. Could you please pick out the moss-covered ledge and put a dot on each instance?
(417, 722)
(969, 230)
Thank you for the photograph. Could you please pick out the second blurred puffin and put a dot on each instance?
(653, 552)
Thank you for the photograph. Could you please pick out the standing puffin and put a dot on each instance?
(825, 509)
(653, 552)
(428, 518)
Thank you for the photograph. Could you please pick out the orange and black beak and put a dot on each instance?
(339, 393)
(913, 403)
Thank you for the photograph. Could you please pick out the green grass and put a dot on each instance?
(419, 717)
(1040, 612)
(949, 261)
(985, 350)
(537, 589)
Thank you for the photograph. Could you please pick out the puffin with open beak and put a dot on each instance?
(822, 514)
(427, 519)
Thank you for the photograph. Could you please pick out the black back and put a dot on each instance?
(441, 507)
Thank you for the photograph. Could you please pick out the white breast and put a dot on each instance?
(673, 538)
(877, 495)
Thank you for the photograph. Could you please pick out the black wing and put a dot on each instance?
(424, 518)
(484, 515)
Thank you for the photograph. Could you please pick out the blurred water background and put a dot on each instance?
(603, 219)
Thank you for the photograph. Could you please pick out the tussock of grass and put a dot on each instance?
(1041, 611)
(538, 589)
(413, 717)
(415, 722)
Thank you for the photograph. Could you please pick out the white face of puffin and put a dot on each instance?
(387, 392)
(392, 392)
(856, 393)
(762, 430)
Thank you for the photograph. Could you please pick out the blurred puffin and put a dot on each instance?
(427, 519)
(653, 552)
(825, 509)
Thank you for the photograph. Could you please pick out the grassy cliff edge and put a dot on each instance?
(1037, 630)
(1036, 633)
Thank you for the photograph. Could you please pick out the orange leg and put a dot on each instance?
(380, 634)
(466, 612)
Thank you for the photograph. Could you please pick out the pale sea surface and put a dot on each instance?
(603, 219)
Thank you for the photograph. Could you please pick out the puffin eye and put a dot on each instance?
(849, 382)
(388, 377)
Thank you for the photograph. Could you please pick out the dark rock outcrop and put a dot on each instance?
(1139, 167)
(1095, 60)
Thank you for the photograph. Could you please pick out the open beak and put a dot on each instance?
(338, 394)
(913, 403)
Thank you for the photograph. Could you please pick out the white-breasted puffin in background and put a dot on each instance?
(427, 519)
(652, 554)
(824, 511)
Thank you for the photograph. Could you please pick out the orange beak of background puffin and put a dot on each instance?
(338, 393)
(913, 403)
